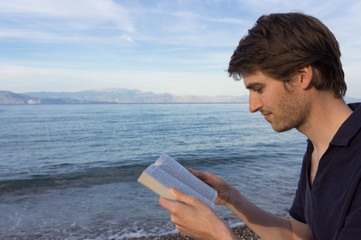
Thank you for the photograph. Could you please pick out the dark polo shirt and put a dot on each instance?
(332, 207)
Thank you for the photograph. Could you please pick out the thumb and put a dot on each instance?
(201, 175)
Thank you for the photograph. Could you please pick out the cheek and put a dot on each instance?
(277, 96)
(270, 101)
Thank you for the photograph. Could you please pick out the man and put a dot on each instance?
(291, 65)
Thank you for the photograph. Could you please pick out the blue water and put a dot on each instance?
(70, 171)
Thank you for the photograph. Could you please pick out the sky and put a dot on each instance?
(181, 47)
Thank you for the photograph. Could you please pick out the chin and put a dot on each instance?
(281, 128)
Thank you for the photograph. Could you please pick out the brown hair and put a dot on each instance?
(280, 44)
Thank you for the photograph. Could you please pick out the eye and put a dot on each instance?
(258, 90)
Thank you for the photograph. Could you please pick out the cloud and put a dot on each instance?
(65, 21)
(96, 20)
(126, 37)
(236, 21)
(48, 20)
(52, 37)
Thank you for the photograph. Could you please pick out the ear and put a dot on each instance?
(305, 76)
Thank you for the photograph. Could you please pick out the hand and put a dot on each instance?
(194, 218)
(223, 188)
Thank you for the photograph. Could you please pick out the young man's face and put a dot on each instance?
(283, 108)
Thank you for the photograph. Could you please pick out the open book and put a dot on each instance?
(166, 173)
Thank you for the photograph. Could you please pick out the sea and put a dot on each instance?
(70, 171)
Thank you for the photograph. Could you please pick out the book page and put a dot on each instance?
(169, 181)
(176, 170)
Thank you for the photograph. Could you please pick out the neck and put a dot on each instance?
(327, 114)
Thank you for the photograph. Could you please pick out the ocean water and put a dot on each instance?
(70, 171)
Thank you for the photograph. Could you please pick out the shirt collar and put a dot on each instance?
(349, 128)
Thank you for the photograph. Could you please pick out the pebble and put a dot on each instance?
(243, 232)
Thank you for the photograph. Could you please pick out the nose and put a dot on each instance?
(254, 102)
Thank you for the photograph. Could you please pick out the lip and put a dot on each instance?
(267, 116)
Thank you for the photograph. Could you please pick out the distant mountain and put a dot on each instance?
(109, 96)
(7, 97)
(121, 95)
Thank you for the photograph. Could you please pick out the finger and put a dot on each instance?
(206, 177)
(166, 203)
(182, 197)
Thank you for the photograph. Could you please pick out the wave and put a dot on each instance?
(85, 178)
(67, 175)
(105, 174)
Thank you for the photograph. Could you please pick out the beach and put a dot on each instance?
(243, 232)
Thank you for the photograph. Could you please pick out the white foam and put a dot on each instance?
(137, 234)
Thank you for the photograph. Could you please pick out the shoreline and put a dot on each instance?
(242, 231)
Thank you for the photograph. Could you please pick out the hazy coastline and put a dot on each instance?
(110, 96)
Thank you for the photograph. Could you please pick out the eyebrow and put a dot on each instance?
(254, 85)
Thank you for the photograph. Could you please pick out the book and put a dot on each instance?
(166, 172)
